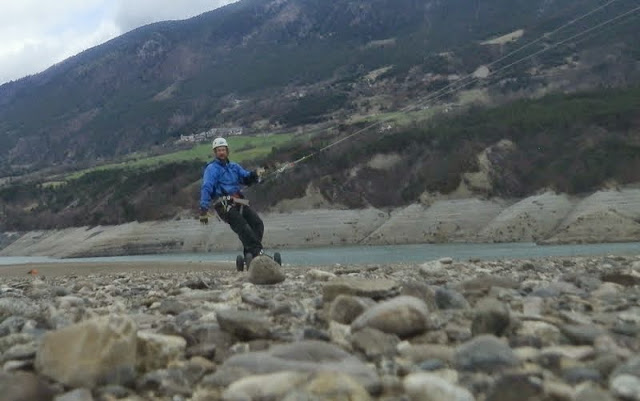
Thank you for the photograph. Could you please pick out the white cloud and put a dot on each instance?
(35, 34)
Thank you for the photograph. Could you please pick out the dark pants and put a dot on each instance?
(246, 223)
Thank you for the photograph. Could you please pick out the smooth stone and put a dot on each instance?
(626, 387)
(11, 340)
(374, 343)
(515, 387)
(319, 275)
(631, 367)
(627, 278)
(431, 365)
(156, 351)
(421, 352)
(404, 316)
(450, 299)
(433, 269)
(267, 386)
(430, 387)
(245, 325)
(568, 351)
(558, 391)
(11, 366)
(346, 308)
(579, 374)
(172, 306)
(24, 386)
(70, 301)
(265, 271)
(112, 391)
(607, 290)
(204, 350)
(11, 325)
(485, 353)
(368, 288)
(20, 352)
(491, 317)
(340, 334)
(19, 307)
(421, 291)
(311, 333)
(486, 282)
(605, 364)
(301, 357)
(97, 351)
(589, 391)
(328, 386)
(581, 334)
(547, 333)
(80, 394)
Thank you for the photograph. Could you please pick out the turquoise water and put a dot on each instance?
(377, 254)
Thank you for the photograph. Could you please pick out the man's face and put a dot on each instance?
(221, 152)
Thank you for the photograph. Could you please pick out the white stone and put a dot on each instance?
(626, 387)
(429, 387)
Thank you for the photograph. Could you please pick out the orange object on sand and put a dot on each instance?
(33, 272)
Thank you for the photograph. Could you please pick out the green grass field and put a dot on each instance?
(243, 148)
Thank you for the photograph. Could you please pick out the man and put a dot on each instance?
(222, 182)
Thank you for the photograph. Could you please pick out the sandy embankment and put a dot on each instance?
(605, 216)
(84, 269)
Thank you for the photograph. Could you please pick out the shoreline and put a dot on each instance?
(608, 216)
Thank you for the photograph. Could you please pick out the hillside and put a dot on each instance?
(265, 65)
(573, 144)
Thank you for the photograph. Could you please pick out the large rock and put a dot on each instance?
(264, 270)
(302, 356)
(156, 351)
(403, 316)
(98, 351)
(369, 288)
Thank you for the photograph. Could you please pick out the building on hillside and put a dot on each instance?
(212, 133)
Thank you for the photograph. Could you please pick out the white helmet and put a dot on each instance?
(219, 142)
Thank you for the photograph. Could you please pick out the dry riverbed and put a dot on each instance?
(545, 329)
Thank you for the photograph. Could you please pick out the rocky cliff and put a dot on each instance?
(604, 216)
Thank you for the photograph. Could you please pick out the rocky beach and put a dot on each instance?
(510, 330)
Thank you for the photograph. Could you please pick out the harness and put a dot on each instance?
(228, 201)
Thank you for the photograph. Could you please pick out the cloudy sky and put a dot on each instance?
(35, 34)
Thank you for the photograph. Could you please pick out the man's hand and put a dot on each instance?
(204, 217)
(260, 172)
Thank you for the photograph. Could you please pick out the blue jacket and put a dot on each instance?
(222, 179)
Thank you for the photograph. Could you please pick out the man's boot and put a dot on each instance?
(248, 257)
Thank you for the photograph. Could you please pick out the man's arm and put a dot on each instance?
(208, 184)
(248, 177)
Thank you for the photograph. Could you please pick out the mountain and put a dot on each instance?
(279, 64)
